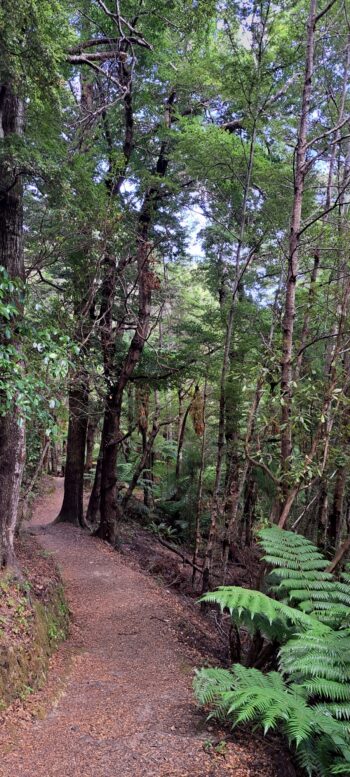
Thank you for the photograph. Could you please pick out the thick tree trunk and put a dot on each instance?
(111, 432)
(12, 457)
(108, 507)
(107, 334)
(72, 507)
(12, 425)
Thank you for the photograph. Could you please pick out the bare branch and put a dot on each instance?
(339, 555)
(324, 134)
(264, 467)
(325, 10)
(89, 44)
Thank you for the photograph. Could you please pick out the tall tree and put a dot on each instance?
(30, 54)
(12, 423)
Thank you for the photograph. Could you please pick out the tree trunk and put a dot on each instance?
(93, 515)
(293, 263)
(130, 420)
(90, 443)
(249, 511)
(72, 508)
(12, 457)
(111, 432)
(336, 513)
(108, 508)
(307, 314)
(181, 440)
(146, 454)
(12, 425)
(197, 530)
(216, 502)
(54, 459)
(147, 281)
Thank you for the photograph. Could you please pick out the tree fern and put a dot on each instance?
(307, 613)
(299, 577)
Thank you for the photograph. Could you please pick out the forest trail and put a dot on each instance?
(125, 706)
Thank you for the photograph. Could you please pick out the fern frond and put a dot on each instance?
(337, 710)
(310, 656)
(290, 551)
(210, 683)
(300, 579)
(327, 689)
(255, 603)
(266, 699)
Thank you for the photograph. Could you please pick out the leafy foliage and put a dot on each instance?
(308, 698)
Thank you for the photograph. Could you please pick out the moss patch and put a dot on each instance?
(33, 620)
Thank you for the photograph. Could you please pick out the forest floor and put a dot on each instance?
(118, 701)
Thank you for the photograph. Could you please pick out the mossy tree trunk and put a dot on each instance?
(12, 424)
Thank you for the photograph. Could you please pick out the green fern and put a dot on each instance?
(211, 683)
(256, 611)
(307, 613)
(309, 656)
(300, 578)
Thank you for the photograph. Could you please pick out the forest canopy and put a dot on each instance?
(174, 270)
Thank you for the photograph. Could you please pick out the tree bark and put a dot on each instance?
(324, 428)
(308, 310)
(72, 510)
(90, 442)
(93, 516)
(111, 432)
(12, 424)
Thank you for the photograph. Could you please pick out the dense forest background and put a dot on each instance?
(174, 286)
(174, 271)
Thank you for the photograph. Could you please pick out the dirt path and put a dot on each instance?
(125, 707)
